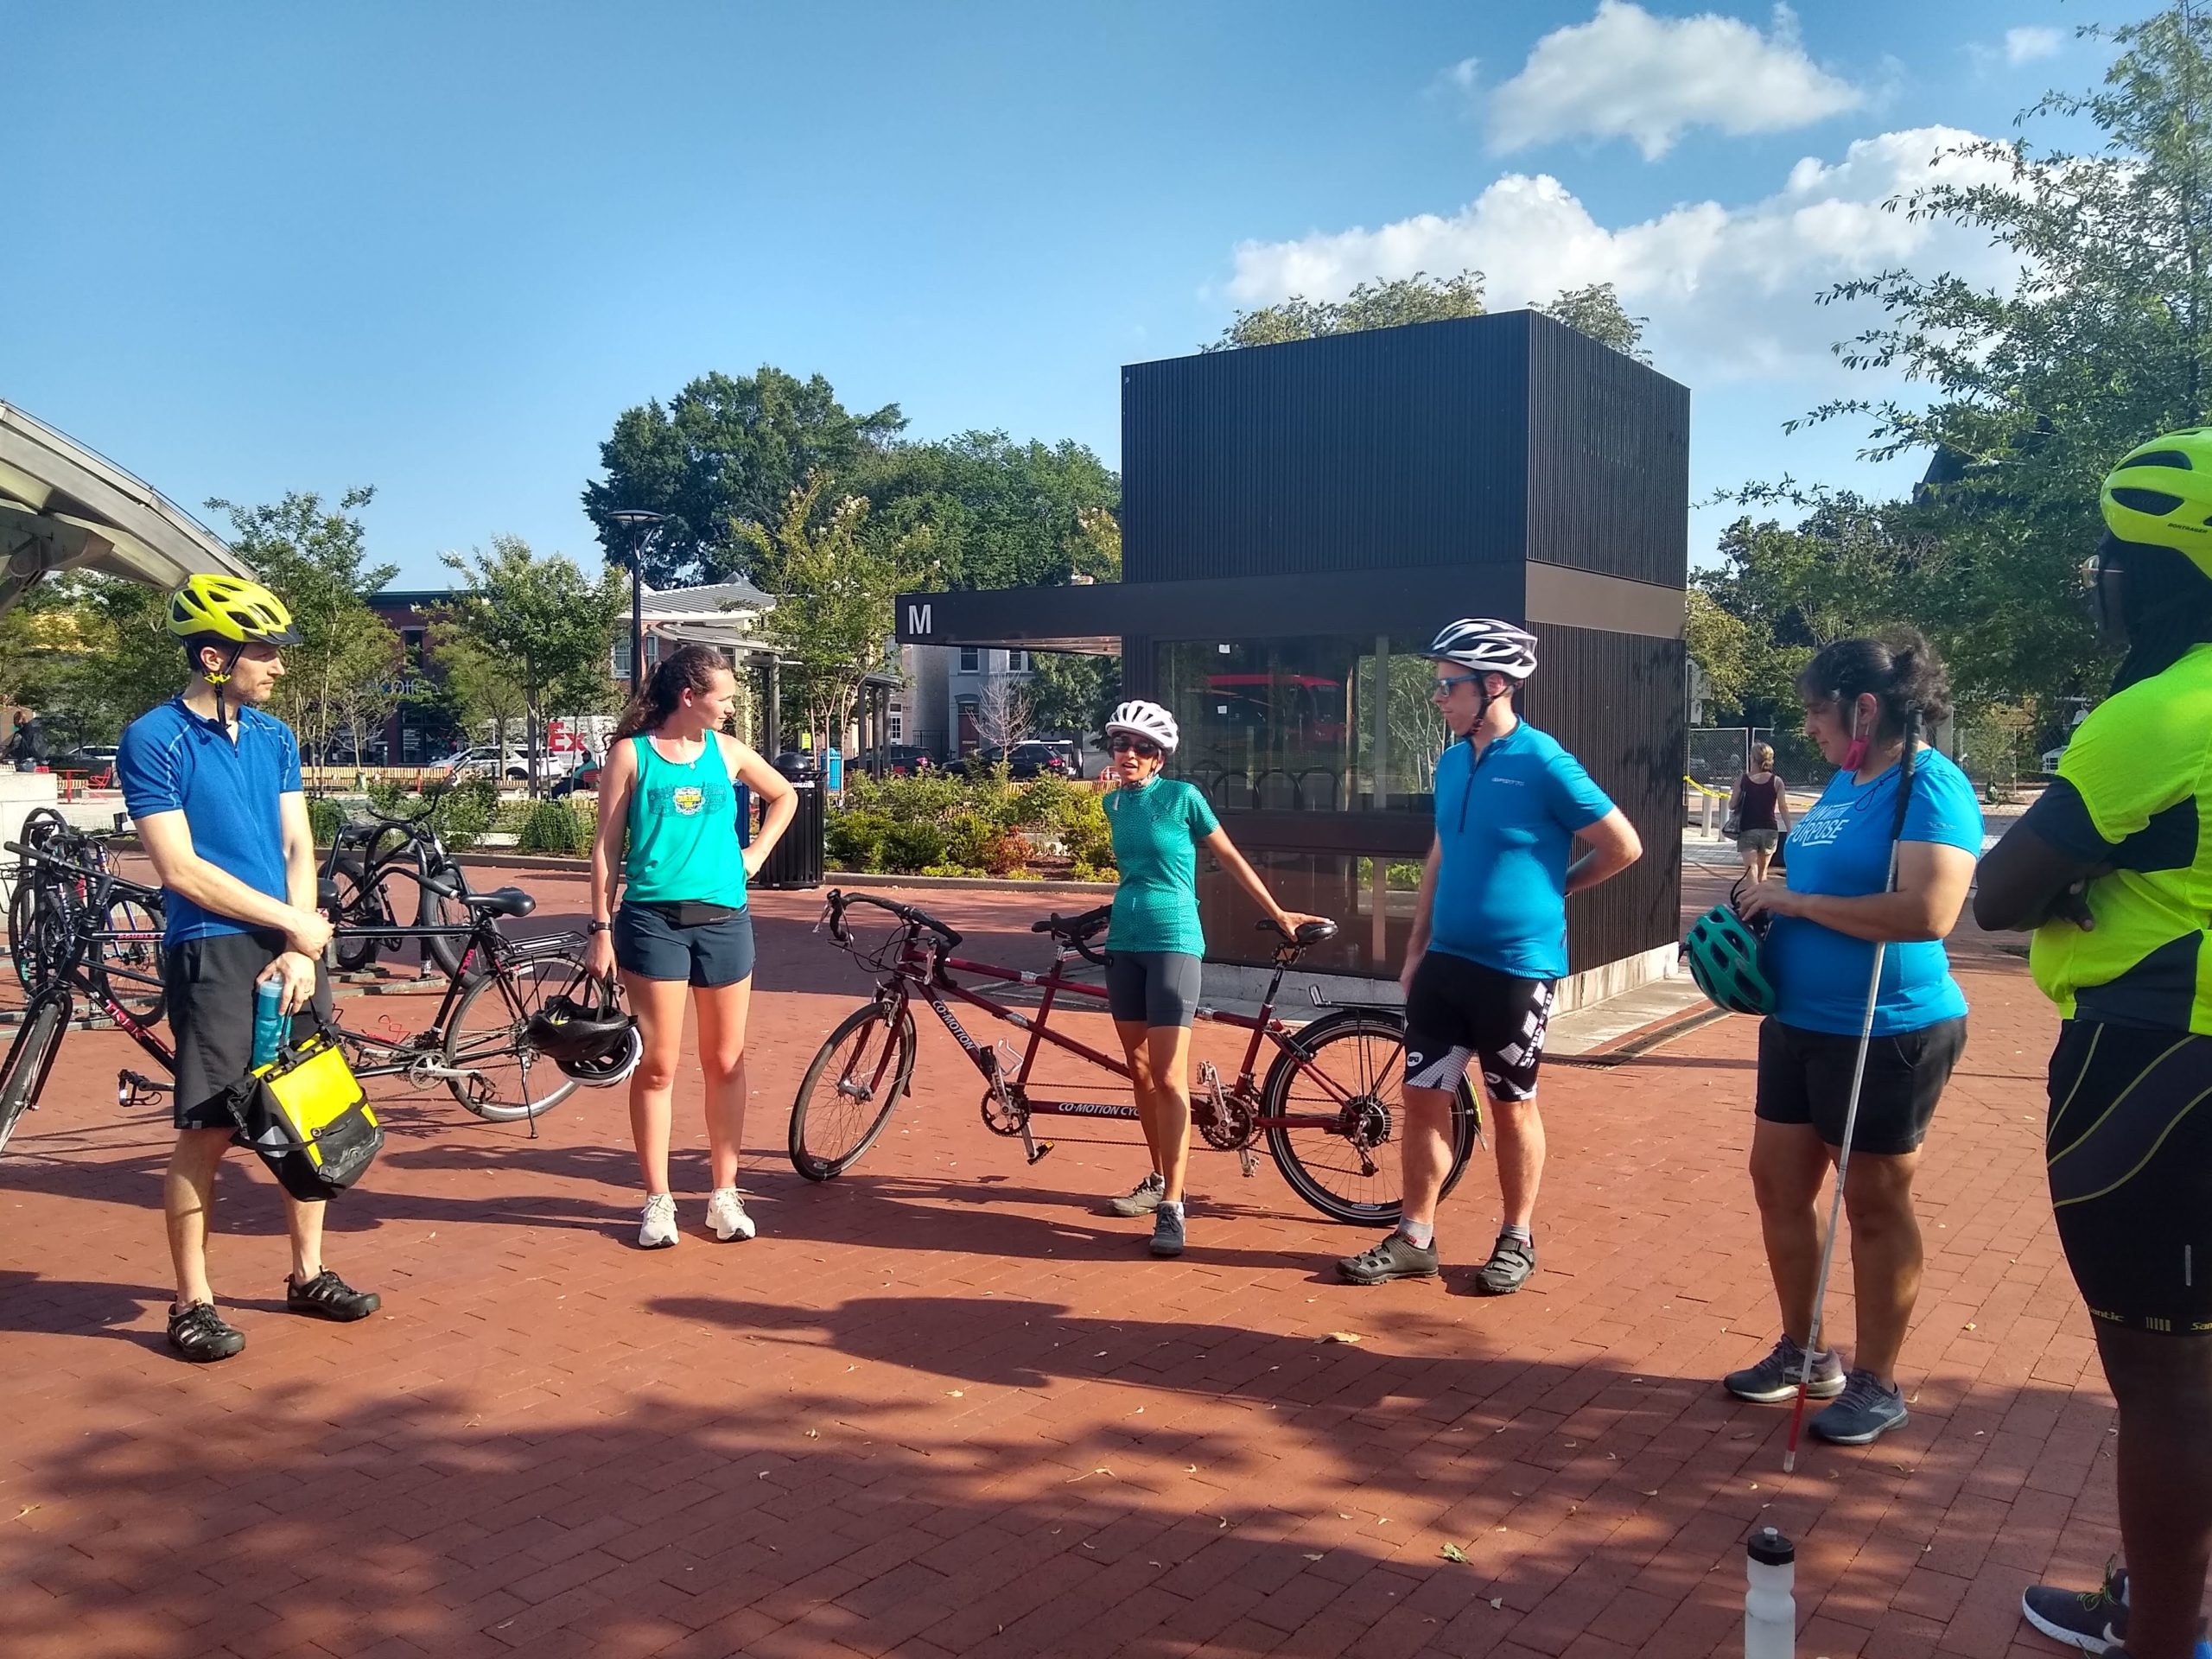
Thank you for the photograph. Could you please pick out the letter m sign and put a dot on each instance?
(918, 619)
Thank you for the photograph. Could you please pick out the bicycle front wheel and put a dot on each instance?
(130, 970)
(1342, 1086)
(30, 1056)
(488, 1038)
(446, 910)
(847, 1094)
(361, 908)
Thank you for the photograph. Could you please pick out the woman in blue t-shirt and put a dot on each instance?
(1860, 698)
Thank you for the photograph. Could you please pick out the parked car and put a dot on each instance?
(95, 763)
(487, 761)
(901, 759)
(1035, 758)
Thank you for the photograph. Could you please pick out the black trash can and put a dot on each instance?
(796, 861)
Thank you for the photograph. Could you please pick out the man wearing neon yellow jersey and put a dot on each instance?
(2113, 869)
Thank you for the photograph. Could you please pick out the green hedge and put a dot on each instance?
(556, 827)
(940, 825)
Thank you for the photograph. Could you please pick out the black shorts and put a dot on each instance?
(209, 985)
(1459, 1011)
(2129, 1143)
(1152, 988)
(1805, 1078)
(705, 954)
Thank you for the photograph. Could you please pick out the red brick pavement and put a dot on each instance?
(945, 1406)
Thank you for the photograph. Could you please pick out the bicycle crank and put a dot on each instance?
(1226, 1120)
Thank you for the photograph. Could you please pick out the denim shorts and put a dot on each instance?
(707, 954)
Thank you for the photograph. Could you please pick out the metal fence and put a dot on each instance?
(1718, 754)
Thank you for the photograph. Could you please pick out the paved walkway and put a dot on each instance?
(943, 1406)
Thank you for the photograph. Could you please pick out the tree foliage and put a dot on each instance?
(2037, 385)
(995, 513)
(1595, 310)
(836, 578)
(544, 623)
(726, 451)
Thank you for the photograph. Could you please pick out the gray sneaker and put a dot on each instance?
(1510, 1263)
(1396, 1257)
(1142, 1199)
(1863, 1413)
(1774, 1379)
(2095, 1621)
(1166, 1232)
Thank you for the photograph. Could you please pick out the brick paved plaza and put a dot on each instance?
(946, 1406)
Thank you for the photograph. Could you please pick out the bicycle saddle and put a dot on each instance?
(501, 901)
(1309, 933)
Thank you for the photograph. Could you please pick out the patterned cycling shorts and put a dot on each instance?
(1459, 1011)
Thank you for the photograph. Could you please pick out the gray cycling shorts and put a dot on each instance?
(1155, 988)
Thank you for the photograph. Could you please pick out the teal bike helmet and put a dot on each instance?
(1724, 961)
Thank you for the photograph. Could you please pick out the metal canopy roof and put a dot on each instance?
(63, 507)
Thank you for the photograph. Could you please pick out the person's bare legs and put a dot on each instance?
(2163, 1386)
(1789, 1164)
(1168, 1048)
(1520, 1129)
(1886, 1256)
(1133, 1034)
(1424, 1154)
(723, 1010)
(658, 1005)
(188, 1190)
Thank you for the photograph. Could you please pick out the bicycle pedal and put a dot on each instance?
(1040, 1150)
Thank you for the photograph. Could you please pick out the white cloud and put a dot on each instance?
(2026, 45)
(1462, 74)
(1729, 291)
(1628, 74)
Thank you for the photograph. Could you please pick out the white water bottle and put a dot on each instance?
(1770, 1602)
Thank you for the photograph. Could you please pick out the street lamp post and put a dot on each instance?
(642, 526)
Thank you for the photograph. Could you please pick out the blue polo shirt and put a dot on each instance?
(172, 761)
(1505, 828)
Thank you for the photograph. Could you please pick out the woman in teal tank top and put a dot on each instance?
(668, 832)
(1154, 946)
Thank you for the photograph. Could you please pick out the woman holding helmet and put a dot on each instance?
(1156, 943)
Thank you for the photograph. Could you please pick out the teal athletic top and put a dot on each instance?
(684, 831)
(1157, 828)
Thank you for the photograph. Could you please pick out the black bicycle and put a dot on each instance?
(484, 1044)
(46, 900)
(364, 862)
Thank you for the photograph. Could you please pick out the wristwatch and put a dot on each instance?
(599, 927)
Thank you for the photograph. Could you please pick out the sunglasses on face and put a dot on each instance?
(1444, 687)
(1143, 748)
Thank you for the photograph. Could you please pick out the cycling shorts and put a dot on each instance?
(2129, 1143)
(1460, 1011)
(1152, 988)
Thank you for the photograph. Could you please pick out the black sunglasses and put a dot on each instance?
(1143, 747)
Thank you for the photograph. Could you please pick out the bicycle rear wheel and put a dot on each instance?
(1350, 1070)
(130, 970)
(488, 1036)
(30, 1056)
(847, 1094)
(361, 907)
(436, 909)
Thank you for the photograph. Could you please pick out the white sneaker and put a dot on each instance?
(657, 1228)
(725, 1215)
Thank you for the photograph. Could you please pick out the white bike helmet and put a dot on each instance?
(1486, 645)
(1142, 719)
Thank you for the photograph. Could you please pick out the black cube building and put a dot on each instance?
(1298, 522)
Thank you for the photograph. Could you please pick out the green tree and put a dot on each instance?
(1075, 691)
(834, 582)
(473, 686)
(126, 661)
(542, 620)
(995, 514)
(725, 451)
(2040, 384)
(1595, 310)
(316, 559)
(365, 682)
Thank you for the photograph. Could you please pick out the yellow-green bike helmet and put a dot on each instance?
(2161, 495)
(230, 607)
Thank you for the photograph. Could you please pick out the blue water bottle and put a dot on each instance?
(268, 1021)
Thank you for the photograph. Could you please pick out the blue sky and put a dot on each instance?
(437, 248)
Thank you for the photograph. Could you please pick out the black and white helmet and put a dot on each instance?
(1487, 646)
(1142, 719)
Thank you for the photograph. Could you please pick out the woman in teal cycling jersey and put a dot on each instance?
(1153, 947)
